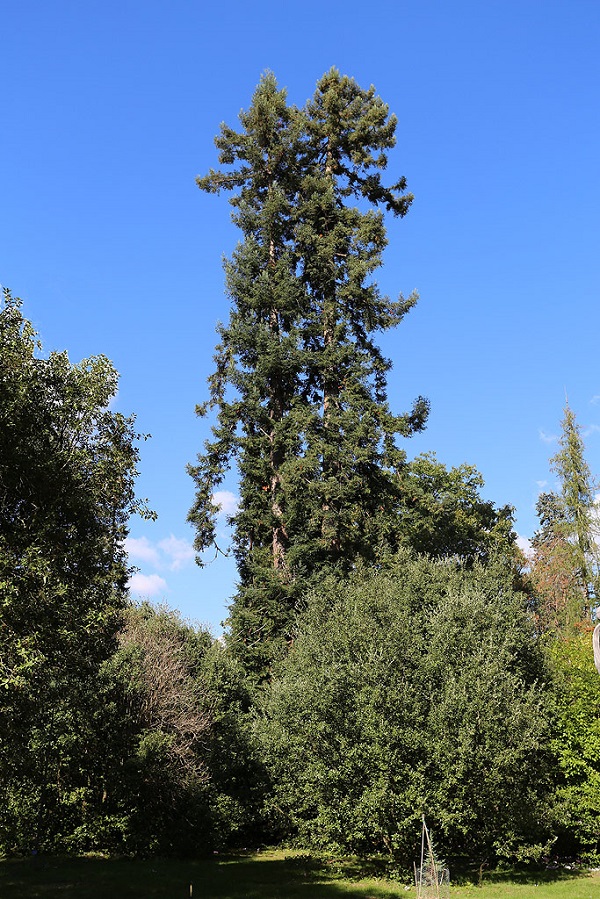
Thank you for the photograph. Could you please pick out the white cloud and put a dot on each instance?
(172, 552)
(147, 584)
(595, 399)
(524, 544)
(142, 550)
(547, 438)
(591, 429)
(542, 484)
(227, 502)
(179, 552)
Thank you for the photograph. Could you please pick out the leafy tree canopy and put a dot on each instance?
(67, 470)
(410, 692)
(576, 743)
(443, 514)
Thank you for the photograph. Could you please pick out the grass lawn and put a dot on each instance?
(268, 875)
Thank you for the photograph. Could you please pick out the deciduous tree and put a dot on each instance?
(418, 690)
(444, 515)
(576, 743)
(67, 470)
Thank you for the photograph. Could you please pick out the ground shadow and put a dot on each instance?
(465, 873)
(228, 878)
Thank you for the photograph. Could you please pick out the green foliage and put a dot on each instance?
(443, 514)
(160, 781)
(185, 777)
(67, 470)
(565, 579)
(300, 385)
(413, 691)
(576, 744)
(565, 569)
(238, 778)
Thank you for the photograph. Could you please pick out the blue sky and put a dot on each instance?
(109, 110)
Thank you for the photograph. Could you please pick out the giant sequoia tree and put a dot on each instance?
(300, 384)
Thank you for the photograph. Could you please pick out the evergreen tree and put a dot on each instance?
(257, 386)
(300, 386)
(577, 504)
(565, 569)
(340, 244)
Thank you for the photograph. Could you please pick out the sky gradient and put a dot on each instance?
(109, 111)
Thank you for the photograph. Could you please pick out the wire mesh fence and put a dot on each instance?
(433, 881)
(432, 877)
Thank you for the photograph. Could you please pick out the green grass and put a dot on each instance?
(268, 875)
(537, 886)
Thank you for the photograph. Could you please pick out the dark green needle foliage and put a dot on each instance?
(340, 241)
(299, 389)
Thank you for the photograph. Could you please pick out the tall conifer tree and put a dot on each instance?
(300, 385)
(566, 568)
(257, 388)
(340, 244)
(577, 502)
